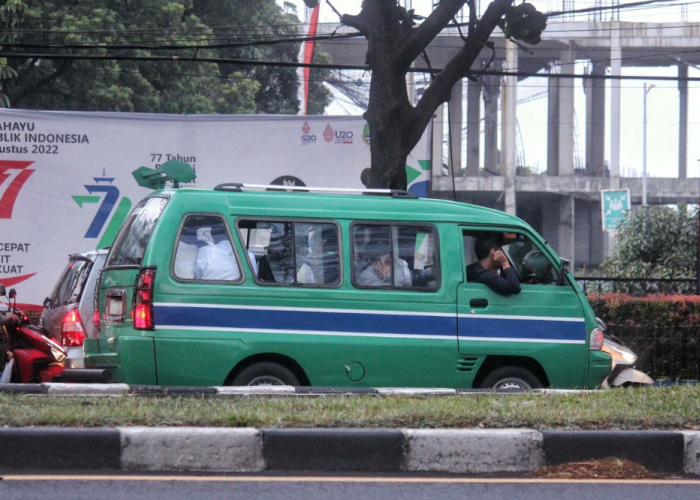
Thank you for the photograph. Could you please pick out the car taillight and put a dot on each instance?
(142, 310)
(96, 304)
(72, 332)
(597, 339)
(96, 319)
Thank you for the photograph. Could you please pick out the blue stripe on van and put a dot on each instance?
(302, 320)
(530, 329)
(313, 321)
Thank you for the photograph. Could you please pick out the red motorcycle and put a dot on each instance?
(33, 356)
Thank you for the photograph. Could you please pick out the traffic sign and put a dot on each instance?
(615, 204)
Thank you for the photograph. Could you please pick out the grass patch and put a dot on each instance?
(645, 408)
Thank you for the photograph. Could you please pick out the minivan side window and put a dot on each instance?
(395, 256)
(292, 253)
(531, 264)
(204, 251)
(133, 237)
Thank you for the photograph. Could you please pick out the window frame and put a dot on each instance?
(391, 224)
(240, 280)
(507, 229)
(293, 220)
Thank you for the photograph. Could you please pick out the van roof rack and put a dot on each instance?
(238, 187)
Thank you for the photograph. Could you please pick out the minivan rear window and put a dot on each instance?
(134, 235)
(71, 283)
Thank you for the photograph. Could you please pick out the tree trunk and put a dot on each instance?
(387, 114)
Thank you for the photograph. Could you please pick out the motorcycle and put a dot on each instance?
(623, 359)
(33, 356)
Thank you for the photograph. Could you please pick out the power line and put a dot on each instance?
(285, 64)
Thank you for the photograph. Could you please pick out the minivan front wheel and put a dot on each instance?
(511, 378)
(265, 373)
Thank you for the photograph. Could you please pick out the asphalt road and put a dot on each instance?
(325, 487)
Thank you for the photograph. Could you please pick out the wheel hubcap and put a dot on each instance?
(266, 380)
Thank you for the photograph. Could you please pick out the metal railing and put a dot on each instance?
(638, 287)
(670, 353)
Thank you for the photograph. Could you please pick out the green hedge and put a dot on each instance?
(663, 330)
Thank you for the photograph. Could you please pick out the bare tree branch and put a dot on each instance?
(456, 69)
(429, 29)
(356, 21)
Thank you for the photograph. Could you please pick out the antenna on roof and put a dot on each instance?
(172, 170)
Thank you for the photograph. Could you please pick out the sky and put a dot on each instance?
(662, 102)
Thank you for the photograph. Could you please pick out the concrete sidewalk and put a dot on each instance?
(189, 449)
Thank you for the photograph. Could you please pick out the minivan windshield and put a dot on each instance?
(133, 238)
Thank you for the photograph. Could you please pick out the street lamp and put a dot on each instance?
(644, 143)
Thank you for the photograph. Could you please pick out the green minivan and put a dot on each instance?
(246, 286)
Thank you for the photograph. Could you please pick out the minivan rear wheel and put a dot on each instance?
(511, 378)
(265, 374)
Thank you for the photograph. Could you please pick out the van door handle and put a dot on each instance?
(479, 303)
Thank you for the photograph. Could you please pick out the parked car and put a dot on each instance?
(68, 311)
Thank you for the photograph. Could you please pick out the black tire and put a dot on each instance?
(511, 378)
(266, 373)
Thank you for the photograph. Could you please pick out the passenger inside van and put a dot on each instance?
(490, 258)
(204, 251)
(375, 269)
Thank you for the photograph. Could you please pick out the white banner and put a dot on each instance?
(66, 183)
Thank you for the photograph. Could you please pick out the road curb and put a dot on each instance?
(473, 451)
(659, 451)
(71, 389)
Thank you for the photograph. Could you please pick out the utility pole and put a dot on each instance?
(644, 146)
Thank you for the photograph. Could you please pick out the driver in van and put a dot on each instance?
(490, 257)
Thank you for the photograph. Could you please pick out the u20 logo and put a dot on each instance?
(107, 195)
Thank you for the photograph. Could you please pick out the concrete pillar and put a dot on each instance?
(595, 122)
(552, 126)
(598, 237)
(473, 127)
(683, 122)
(615, 101)
(566, 228)
(566, 114)
(454, 158)
(438, 120)
(558, 225)
(492, 89)
(509, 107)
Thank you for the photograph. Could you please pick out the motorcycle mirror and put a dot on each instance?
(12, 294)
(2, 290)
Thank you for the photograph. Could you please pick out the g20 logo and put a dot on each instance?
(107, 195)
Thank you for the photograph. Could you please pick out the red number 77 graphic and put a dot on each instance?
(7, 201)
